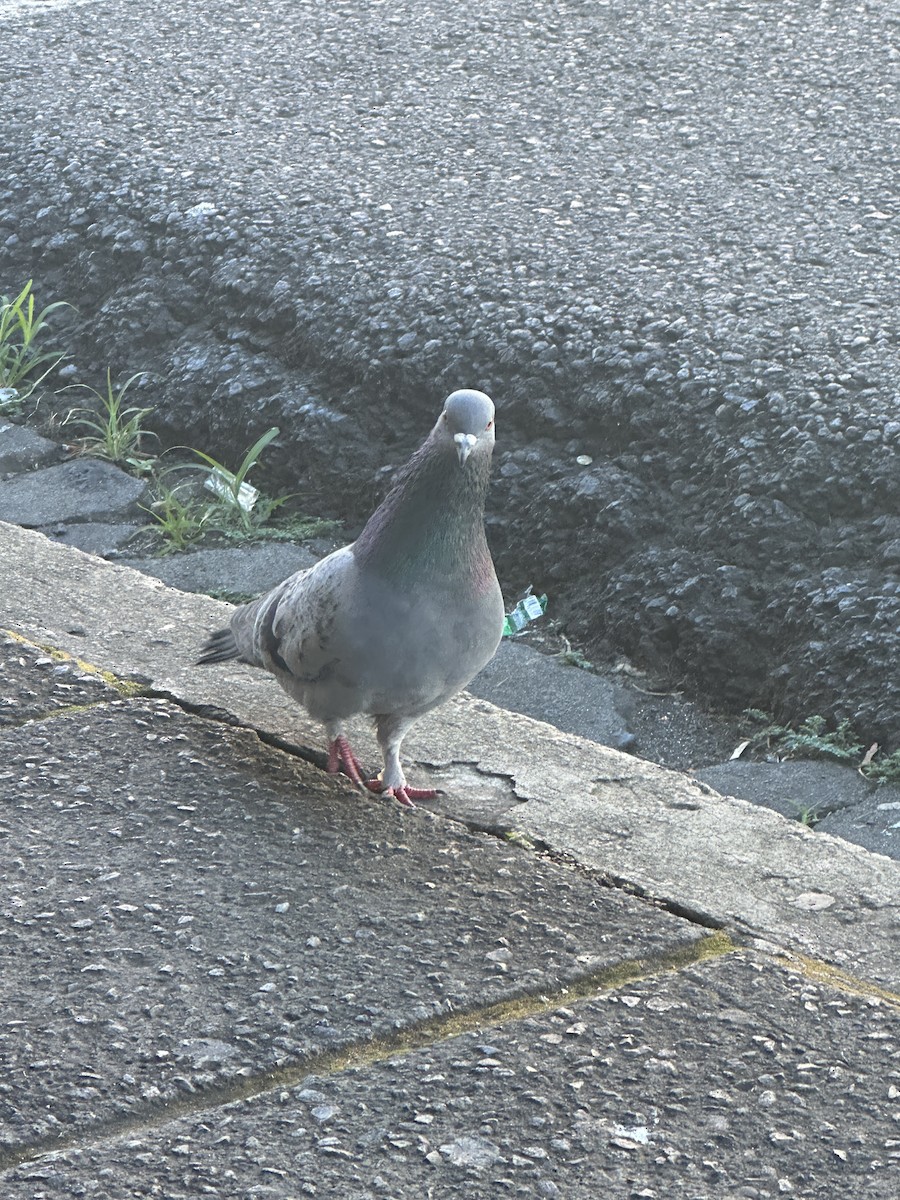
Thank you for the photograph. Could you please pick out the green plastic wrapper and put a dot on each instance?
(528, 609)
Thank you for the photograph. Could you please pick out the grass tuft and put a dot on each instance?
(117, 430)
(20, 329)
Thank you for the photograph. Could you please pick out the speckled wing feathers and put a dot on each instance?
(288, 631)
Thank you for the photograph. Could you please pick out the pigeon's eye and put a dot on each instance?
(489, 424)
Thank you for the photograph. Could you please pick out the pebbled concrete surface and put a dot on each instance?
(735, 1078)
(34, 683)
(663, 237)
(184, 907)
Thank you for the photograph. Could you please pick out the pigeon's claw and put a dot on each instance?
(403, 795)
(341, 756)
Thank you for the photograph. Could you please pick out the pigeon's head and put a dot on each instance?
(467, 423)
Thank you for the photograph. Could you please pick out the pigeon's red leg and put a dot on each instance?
(341, 755)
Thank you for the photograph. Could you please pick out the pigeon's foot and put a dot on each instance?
(341, 757)
(403, 795)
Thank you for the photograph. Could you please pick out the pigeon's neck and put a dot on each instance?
(431, 523)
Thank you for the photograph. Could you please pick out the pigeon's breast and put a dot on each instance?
(413, 648)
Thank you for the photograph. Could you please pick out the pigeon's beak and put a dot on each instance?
(465, 444)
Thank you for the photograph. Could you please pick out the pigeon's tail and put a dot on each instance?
(220, 647)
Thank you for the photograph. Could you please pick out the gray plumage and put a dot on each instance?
(401, 620)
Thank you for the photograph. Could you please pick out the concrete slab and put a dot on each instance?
(726, 861)
(81, 490)
(732, 1079)
(184, 908)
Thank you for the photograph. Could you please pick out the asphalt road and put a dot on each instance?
(663, 238)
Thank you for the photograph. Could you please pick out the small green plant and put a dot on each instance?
(296, 528)
(808, 815)
(574, 658)
(815, 740)
(885, 770)
(811, 739)
(232, 597)
(180, 519)
(19, 356)
(240, 507)
(117, 430)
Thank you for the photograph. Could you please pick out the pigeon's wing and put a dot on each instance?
(289, 631)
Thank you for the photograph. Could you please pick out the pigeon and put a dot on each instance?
(399, 621)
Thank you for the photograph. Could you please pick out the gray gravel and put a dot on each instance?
(661, 238)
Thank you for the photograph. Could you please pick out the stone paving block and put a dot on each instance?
(873, 823)
(21, 449)
(785, 786)
(237, 570)
(97, 537)
(835, 799)
(84, 489)
(522, 679)
(735, 1078)
(183, 906)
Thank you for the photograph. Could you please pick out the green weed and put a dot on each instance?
(241, 509)
(811, 739)
(808, 815)
(297, 528)
(180, 519)
(117, 430)
(20, 326)
(885, 770)
(574, 658)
